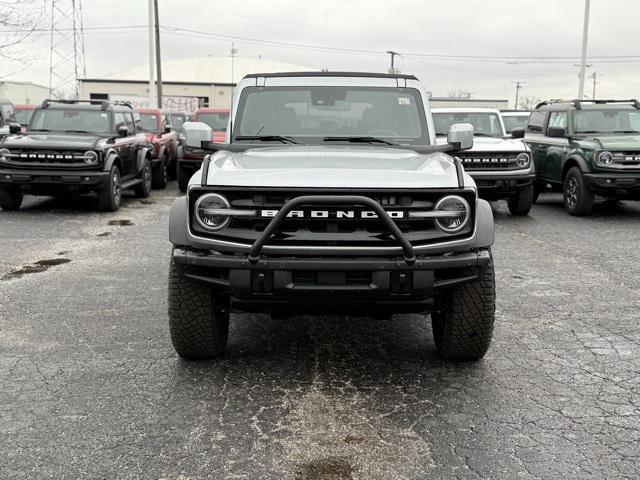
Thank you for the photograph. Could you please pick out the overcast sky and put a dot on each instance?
(493, 28)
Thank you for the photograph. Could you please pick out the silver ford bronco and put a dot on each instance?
(330, 195)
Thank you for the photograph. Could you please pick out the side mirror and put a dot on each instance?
(15, 128)
(195, 133)
(123, 131)
(517, 132)
(556, 132)
(167, 128)
(460, 136)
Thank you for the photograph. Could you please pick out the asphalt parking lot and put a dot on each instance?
(91, 386)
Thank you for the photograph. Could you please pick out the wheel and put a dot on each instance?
(10, 199)
(110, 196)
(143, 190)
(521, 202)
(183, 179)
(160, 175)
(536, 192)
(463, 318)
(172, 169)
(198, 317)
(578, 199)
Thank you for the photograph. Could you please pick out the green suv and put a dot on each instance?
(587, 148)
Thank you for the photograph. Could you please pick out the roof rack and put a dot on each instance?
(47, 102)
(125, 103)
(578, 103)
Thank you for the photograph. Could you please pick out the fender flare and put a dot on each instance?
(112, 157)
(178, 218)
(142, 155)
(485, 228)
(575, 158)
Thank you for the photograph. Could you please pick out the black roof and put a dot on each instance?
(579, 104)
(87, 105)
(332, 74)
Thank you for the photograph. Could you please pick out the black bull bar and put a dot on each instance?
(276, 222)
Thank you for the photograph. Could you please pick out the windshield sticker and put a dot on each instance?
(404, 101)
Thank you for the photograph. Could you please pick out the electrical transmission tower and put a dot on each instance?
(66, 64)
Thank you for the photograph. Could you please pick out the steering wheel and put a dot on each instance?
(383, 133)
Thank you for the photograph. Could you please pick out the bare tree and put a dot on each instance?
(20, 21)
(528, 103)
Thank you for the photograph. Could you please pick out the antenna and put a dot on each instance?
(67, 58)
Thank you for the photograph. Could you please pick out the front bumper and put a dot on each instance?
(52, 181)
(306, 285)
(614, 185)
(499, 185)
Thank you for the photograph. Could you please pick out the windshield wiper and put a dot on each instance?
(626, 131)
(77, 131)
(358, 140)
(476, 134)
(266, 138)
(588, 131)
(39, 130)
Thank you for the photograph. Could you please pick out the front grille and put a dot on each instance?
(334, 231)
(490, 161)
(41, 158)
(626, 160)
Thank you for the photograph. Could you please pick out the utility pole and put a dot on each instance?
(66, 56)
(152, 75)
(393, 63)
(583, 57)
(158, 60)
(234, 52)
(518, 84)
(594, 75)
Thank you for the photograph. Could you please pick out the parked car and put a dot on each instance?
(74, 146)
(177, 119)
(23, 114)
(190, 159)
(500, 165)
(7, 116)
(514, 119)
(332, 196)
(163, 143)
(587, 148)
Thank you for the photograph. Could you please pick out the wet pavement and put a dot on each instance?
(91, 387)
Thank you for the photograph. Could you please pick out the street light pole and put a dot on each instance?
(583, 58)
(393, 57)
(152, 79)
(158, 61)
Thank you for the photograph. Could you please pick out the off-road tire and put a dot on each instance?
(110, 196)
(578, 199)
(160, 175)
(198, 317)
(463, 318)
(10, 200)
(183, 178)
(143, 190)
(520, 203)
(172, 170)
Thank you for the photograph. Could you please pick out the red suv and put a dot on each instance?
(23, 114)
(190, 160)
(163, 141)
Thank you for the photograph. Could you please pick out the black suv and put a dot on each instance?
(77, 147)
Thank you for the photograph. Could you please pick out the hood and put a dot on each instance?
(52, 141)
(150, 136)
(492, 144)
(333, 166)
(613, 142)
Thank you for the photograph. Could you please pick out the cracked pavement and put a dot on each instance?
(91, 387)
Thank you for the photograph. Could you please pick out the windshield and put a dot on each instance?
(60, 120)
(313, 114)
(177, 119)
(484, 123)
(23, 116)
(515, 121)
(607, 121)
(217, 121)
(149, 122)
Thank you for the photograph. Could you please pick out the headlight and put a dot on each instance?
(459, 211)
(523, 160)
(90, 157)
(4, 154)
(605, 159)
(205, 213)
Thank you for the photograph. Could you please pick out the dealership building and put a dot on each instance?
(186, 84)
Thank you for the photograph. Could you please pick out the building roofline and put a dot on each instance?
(331, 74)
(164, 82)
